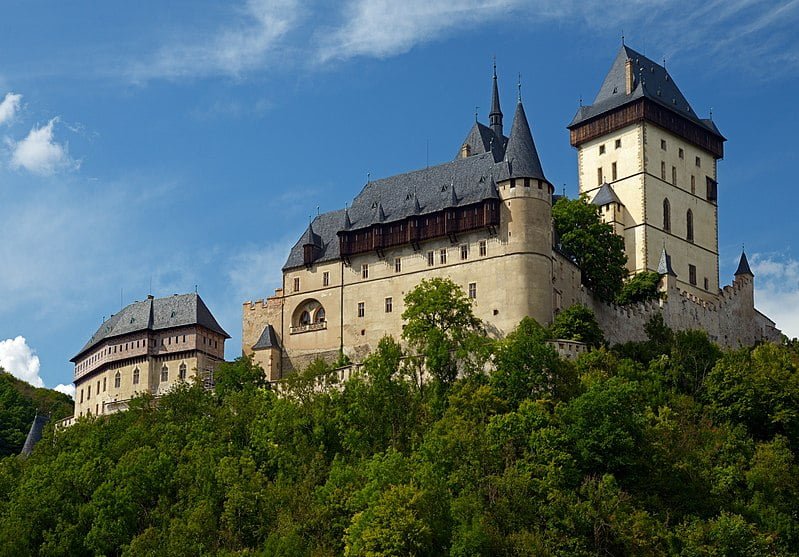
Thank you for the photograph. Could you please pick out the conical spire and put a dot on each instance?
(347, 221)
(310, 238)
(664, 266)
(521, 154)
(453, 198)
(417, 209)
(381, 215)
(743, 266)
(35, 433)
(495, 116)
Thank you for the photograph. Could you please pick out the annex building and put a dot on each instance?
(148, 347)
(645, 158)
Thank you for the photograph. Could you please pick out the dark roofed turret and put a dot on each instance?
(495, 116)
(664, 266)
(35, 433)
(521, 156)
(311, 246)
(743, 266)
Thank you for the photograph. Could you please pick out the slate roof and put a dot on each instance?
(156, 314)
(35, 433)
(743, 266)
(521, 156)
(268, 339)
(606, 195)
(482, 139)
(664, 265)
(650, 80)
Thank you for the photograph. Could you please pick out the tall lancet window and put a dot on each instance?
(666, 215)
(689, 219)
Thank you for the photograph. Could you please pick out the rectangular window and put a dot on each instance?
(365, 271)
(442, 256)
(527, 182)
(98, 387)
(693, 184)
(464, 251)
(473, 290)
(361, 309)
(602, 149)
(105, 379)
(707, 286)
(430, 260)
(296, 285)
(483, 248)
(692, 274)
(397, 265)
(682, 153)
(663, 170)
(326, 278)
(674, 175)
(81, 396)
(389, 305)
(599, 176)
(618, 144)
(613, 171)
(663, 144)
(513, 182)
(698, 162)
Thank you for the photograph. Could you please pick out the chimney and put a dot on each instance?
(628, 76)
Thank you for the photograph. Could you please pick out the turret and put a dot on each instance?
(495, 116)
(311, 246)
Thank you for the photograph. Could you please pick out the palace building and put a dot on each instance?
(484, 220)
(148, 347)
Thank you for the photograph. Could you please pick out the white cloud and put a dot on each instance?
(230, 50)
(777, 290)
(68, 390)
(9, 107)
(17, 358)
(39, 153)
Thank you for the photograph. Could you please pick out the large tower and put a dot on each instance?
(642, 145)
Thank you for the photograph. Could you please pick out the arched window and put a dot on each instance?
(117, 380)
(320, 316)
(136, 376)
(689, 220)
(164, 373)
(182, 371)
(666, 215)
(305, 318)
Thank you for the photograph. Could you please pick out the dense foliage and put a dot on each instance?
(577, 323)
(592, 245)
(19, 402)
(670, 447)
(641, 287)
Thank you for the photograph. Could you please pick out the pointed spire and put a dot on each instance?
(381, 215)
(35, 433)
(495, 116)
(664, 266)
(310, 238)
(347, 221)
(743, 266)
(417, 209)
(521, 154)
(453, 199)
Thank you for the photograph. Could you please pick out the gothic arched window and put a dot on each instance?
(182, 372)
(666, 215)
(164, 373)
(689, 219)
(136, 376)
(117, 380)
(305, 318)
(320, 315)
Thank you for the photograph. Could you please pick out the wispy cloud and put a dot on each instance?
(249, 42)
(777, 289)
(9, 107)
(17, 358)
(39, 152)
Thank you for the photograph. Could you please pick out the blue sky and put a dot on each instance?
(186, 143)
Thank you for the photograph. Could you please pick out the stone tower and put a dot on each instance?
(649, 162)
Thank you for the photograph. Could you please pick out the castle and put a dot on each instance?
(484, 220)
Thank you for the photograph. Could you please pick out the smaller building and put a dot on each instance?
(148, 347)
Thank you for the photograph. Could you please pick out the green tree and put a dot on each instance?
(440, 326)
(592, 245)
(578, 323)
(642, 287)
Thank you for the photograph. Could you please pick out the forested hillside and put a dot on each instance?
(19, 402)
(657, 448)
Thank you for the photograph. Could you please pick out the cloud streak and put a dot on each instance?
(40, 154)
(777, 290)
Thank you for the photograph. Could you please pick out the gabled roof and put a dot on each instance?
(606, 195)
(268, 339)
(156, 314)
(650, 80)
(664, 265)
(743, 266)
(310, 238)
(482, 139)
(521, 156)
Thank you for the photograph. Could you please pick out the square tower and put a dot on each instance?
(642, 146)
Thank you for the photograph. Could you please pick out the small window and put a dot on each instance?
(613, 172)
(320, 316)
(707, 286)
(473, 290)
(602, 149)
(365, 271)
(442, 256)
(513, 182)
(483, 248)
(389, 305)
(361, 309)
(430, 259)
(117, 380)
(98, 386)
(296, 284)
(698, 162)
(674, 175)
(464, 251)
(666, 215)
(663, 144)
(692, 274)
(105, 379)
(663, 170)
(599, 176)
(89, 391)
(136, 376)
(682, 153)
(305, 318)
(618, 144)
(164, 374)
(326, 279)
(689, 222)
(693, 184)
(182, 372)
(527, 182)
(397, 265)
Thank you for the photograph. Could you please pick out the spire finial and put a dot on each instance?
(622, 37)
(495, 114)
(711, 113)
(581, 100)
(476, 112)
(368, 177)
(520, 87)
(495, 65)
